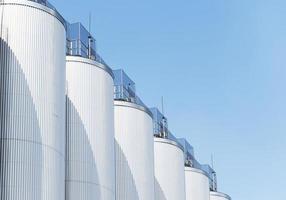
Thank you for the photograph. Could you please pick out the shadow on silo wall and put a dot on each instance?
(125, 184)
(82, 181)
(159, 193)
(21, 153)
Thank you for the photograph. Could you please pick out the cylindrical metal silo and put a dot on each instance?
(134, 144)
(169, 170)
(197, 184)
(197, 176)
(219, 196)
(32, 101)
(90, 131)
(134, 152)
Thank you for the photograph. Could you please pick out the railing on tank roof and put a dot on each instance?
(125, 90)
(81, 43)
(211, 175)
(160, 126)
(189, 155)
(190, 161)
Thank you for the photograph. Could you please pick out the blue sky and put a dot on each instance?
(221, 67)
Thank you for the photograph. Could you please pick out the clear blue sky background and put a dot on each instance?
(221, 66)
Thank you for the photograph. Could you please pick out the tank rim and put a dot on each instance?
(80, 59)
(123, 103)
(220, 194)
(168, 141)
(36, 5)
(192, 169)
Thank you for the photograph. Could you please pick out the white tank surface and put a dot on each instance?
(134, 152)
(90, 130)
(169, 170)
(219, 196)
(134, 144)
(197, 176)
(32, 98)
(197, 184)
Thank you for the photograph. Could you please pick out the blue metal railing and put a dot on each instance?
(125, 90)
(189, 154)
(211, 175)
(81, 43)
(160, 123)
(190, 161)
(160, 126)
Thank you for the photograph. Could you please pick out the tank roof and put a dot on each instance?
(160, 126)
(52, 8)
(160, 123)
(189, 149)
(125, 89)
(191, 161)
(45, 3)
(80, 42)
(212, 176)
(220, 194)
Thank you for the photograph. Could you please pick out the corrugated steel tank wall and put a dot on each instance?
(197, 184)
(134, 152)
(32, 100)
(219, 196)
(90, 131)
(169, 170)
